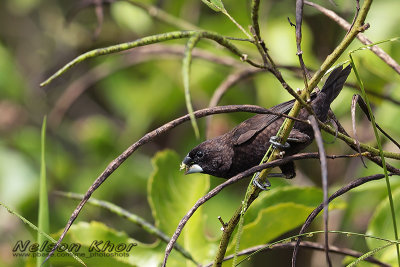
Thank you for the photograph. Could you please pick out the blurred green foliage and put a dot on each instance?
(114, 111)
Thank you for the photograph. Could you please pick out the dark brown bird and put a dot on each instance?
(245, 145)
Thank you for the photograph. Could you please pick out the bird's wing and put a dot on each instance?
(247, 129)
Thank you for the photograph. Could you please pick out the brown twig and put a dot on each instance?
(375, 94)
(324, 171)
(255, 6)
(361, 103)
(355, 15)
(299, 22)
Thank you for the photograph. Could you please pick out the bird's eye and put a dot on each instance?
(199, 154)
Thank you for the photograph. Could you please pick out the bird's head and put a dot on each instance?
(210, 157)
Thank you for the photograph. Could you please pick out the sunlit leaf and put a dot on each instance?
(277, 212)
(171, 195)
(104, 246)
(381, 225)
(215, 5)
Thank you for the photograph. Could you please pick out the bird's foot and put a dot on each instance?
(264, 186)
(274, 141)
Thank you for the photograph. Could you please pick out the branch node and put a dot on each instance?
(244, 57)
(291, 23)
(223, 223)
(364, 27)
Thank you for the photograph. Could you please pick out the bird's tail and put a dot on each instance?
(330, 91)
(335, 82)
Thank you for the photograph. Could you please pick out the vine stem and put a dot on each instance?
(151, 40)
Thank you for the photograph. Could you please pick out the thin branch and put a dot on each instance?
(255, 6)
(355, 15)
(299, 22)
(324, 171)
(364, 107)
(374, 93)
(261, 49)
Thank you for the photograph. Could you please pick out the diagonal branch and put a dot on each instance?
(324, 171)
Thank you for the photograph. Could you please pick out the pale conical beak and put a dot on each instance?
(189, 167)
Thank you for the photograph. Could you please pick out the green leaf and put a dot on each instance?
(218, 4)
(187, 59)
(381, 225)
(277, 212)
(215, 5)
(171, 195)
(94, 237)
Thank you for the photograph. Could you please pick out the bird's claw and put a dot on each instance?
(264, 186)
(274, 141)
